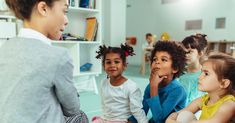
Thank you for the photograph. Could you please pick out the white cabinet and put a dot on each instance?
(83, 51)
(7, 27)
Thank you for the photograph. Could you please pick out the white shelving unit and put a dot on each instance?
(83, 51)
(7, 27)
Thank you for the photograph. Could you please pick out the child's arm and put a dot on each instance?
(160, 110)
(136, 106)
(224, 114)
(193, 107)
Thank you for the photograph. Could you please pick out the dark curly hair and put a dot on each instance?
(124, 51)
(23, 8)
(197, 41)
(176, 52)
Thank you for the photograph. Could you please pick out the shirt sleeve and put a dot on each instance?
(146, 97)
(136, 106)
(64, 87)
(160, 111)
(145, 105)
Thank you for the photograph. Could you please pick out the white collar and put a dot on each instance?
(30, 33)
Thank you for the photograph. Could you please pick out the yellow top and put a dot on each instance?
(209, 110)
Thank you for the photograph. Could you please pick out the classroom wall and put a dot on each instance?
(114, 21)
(151, 16)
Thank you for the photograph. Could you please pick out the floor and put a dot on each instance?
(90, 102)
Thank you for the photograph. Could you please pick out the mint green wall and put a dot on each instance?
(114, 21)
(152, 16)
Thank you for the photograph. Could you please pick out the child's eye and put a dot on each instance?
(116, 62)
(188, 52)
(165, 60)
(154, 59)
(108, 62)
(206, 74)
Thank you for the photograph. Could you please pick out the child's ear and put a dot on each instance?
(201, 53)
(225, 83)
(175, 71)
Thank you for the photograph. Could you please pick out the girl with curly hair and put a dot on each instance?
(120, 96)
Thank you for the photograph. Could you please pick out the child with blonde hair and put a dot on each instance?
(218, 80)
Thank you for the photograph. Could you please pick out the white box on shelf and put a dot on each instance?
(7, 26)
(7, 29)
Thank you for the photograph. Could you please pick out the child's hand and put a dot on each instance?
(155, 78)
(172, 118)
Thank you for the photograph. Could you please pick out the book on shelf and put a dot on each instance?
(74, 3)
(91, 4)
(91, 28)
(84, 3)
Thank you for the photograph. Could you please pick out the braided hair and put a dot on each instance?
(124, 50)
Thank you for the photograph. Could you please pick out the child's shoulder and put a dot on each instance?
(131, 83)
(175, 84)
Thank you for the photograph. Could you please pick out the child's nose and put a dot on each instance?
(112, 64)
(157, 62)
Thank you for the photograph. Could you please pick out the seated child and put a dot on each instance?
(218, 80)
(194, 46)
(164, 93)
(120, 96)
(148, 46)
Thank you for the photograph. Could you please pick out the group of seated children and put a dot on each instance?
(179, 78)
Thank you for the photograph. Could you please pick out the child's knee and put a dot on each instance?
(185, 117)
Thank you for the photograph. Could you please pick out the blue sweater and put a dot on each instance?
(171, 98)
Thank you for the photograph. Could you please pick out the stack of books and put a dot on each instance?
(91, 4)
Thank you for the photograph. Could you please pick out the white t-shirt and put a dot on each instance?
(120, 102)
(148, 46)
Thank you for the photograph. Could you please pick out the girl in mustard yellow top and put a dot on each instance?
(218, 106)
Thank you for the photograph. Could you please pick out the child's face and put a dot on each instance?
(192, 56)
(162, 63)
(57, 19)
(113, 65)
(149, 39)
(208, 80)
